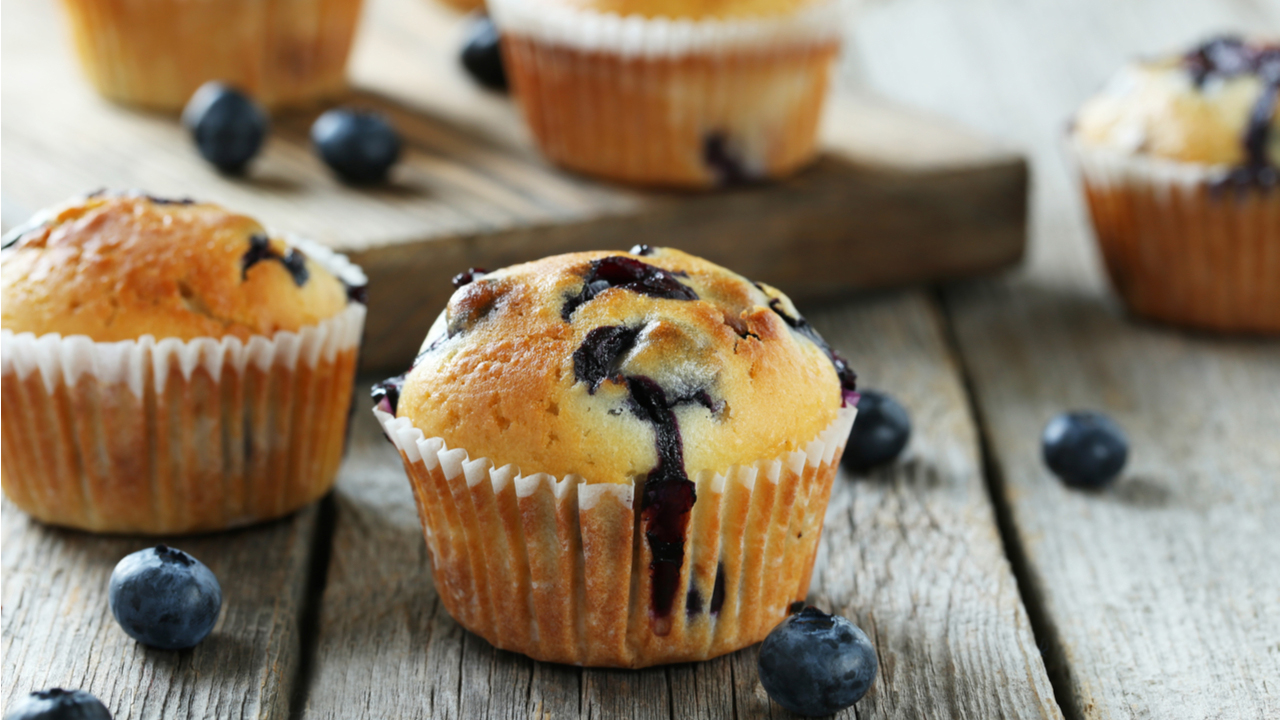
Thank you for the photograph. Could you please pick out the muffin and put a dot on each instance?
(1179, 160)
(667, 92)
(170, 367)
(620, 459)
(155, 53)
(465, 5)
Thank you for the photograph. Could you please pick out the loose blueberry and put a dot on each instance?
(359, 146)
(817, 664)
(1085, 449)
(58, 704)
(482, 54)
(165, 598)
(227, 125)
(879, 434)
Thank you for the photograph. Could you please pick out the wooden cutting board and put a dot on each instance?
(897, 196)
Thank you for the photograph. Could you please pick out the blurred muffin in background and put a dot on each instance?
(464, 5)
(155, 53)
(665, 92)
(1179, 159)
(171, 367)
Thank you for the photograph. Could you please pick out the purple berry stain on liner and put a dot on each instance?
(260, 250)
(718, 154)
(386, 394)
(357, 293)
(668, 494)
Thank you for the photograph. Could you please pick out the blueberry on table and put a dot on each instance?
(359, 146)
(817, 664)
(880, 432)
(1085, 449)
(165, 598)
(482, 54)
(57, 704)
(227, 125)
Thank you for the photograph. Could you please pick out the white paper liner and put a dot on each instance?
(1107, 167)
(65, 359)
(554, 567)
(635, 36)
(161, 377)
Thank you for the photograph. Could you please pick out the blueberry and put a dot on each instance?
(817, 664)
(879, 433)
(165, 598)
(58, 704)
(227, 126)
(1085, 449)
(482, 54)
(360, 146)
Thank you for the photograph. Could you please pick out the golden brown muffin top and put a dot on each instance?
(612, 366)
(693, 9)
(1215, 105)
(120, 266)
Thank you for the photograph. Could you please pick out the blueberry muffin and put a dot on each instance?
(1179, 158)
(620, 459)
(668, 92)
(171, 367)
(155, 53)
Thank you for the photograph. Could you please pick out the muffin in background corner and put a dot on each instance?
(464, 5)
(1180, 159)
(156, 53)
(170, 367)
(620, 459)
(670, 93)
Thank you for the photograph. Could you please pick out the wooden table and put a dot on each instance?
(988, 588)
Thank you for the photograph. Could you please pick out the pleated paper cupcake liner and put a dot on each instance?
(156, 53)
(670, 102)
(559, 568)
(169, 436)
(1183, 247)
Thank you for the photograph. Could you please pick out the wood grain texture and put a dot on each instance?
(911, 553)
(897, 197)
(58, 630)
(1160, 597)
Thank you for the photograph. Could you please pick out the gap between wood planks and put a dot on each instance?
(1048, 641)
(309, 619)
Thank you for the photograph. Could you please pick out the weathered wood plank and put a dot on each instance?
(58, 629)
(898, 196)
(1158, 598)
(911, 553)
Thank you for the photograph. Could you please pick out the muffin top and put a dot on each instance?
(617, 366)
(120, 266)
(693, 9)
(1215, 105)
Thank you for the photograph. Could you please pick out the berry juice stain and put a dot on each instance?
(386, 394)
(668, 494)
